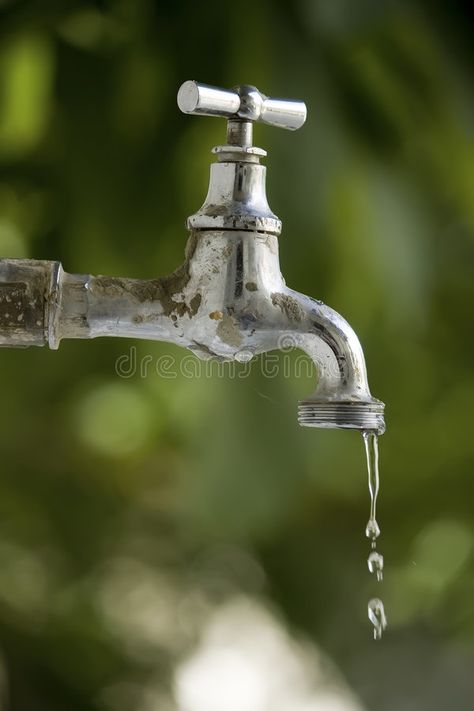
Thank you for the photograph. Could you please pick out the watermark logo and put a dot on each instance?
(273, 364)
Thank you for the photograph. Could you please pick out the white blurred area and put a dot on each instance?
(229, 651)
(247, 661)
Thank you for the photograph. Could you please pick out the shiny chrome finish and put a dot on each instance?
(236, 199)
(244, 102)
(194, 98)
(227, 301)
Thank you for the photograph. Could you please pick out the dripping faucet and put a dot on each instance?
(228, 300)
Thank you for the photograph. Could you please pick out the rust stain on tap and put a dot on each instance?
(164, 290)
(229, 332)
(288, 305)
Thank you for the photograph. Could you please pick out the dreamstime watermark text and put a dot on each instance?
(275, 364)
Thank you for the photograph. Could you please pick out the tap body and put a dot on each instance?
(228, 300)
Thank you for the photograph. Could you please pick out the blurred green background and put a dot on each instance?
(180, 544)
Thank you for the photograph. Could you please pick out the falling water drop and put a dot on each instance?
(377, 616)
(375, 564)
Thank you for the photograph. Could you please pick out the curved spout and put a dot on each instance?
(342, 397)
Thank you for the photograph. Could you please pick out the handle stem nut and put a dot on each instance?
(251, 102)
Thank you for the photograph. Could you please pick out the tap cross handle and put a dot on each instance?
(245, 103)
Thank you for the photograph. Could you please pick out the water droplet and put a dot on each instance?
(243, 356)
(376, 613)
(372, 530)
(375, 563)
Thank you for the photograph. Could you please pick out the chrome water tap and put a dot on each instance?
(228, 300)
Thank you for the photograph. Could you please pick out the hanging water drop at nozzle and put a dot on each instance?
(372, 530)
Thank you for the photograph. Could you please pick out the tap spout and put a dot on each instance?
(342, 397)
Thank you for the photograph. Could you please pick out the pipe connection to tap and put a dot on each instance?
(228, 300)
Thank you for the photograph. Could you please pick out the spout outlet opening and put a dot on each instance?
(354, 415)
